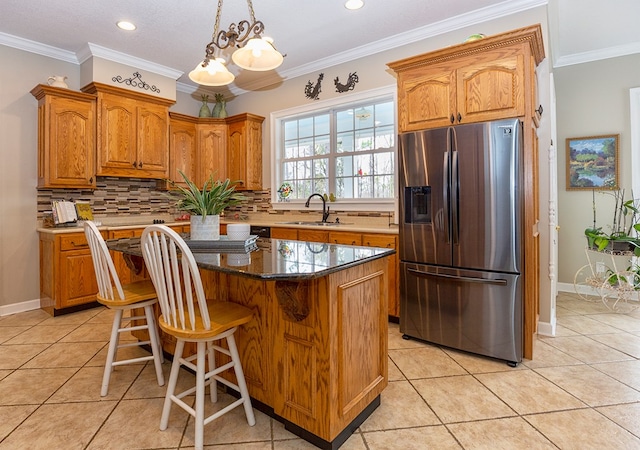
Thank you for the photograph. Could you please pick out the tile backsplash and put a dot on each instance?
(139, 197)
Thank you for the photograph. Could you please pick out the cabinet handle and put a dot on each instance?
(452, 118)
(459, 118)
(140, 165)
(539, 110)
(134, 165)
(91, 180)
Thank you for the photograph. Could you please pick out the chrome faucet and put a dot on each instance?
(325, 208)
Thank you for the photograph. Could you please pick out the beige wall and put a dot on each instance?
(20, 71)
(592, 99)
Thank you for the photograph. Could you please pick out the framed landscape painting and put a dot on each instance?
(592, 162)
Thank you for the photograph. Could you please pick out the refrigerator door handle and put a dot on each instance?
(446, 194)
(419, 273)
(455, 181)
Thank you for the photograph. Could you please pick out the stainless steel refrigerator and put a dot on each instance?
(461, 282)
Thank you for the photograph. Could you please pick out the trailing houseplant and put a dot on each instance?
(205, 205)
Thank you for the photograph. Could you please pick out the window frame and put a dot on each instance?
(276, 119)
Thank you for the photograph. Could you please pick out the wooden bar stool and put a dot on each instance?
(176, 277)
(121, 298)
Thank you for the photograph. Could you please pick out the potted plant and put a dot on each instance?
(205, 205)
(624, 227)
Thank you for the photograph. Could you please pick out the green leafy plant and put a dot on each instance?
(624, 228)
(212, 199)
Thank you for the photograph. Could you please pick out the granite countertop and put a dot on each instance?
(275, 259)
(361, 224)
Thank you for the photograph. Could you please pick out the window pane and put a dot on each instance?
(384, 114)
(320, 168)
(344, 120)
(306, 147)
(385, 137)
(305, 127)
(364, 117)
(290, 130)
(322, 146)
(383, 163)
(322, 124)
(345, 142)
(291, 149)
(364, 140)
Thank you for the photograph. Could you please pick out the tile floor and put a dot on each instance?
(582, 391)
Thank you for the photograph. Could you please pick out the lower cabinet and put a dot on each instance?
(67, 278)
(353, 238)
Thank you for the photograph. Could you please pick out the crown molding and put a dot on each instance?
(454, 23)
(112, 55)
(597, 55)
(38, 48)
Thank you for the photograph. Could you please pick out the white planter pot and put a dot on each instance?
(205, 230)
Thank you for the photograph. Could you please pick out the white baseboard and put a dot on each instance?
(546, 328)
(15, 308)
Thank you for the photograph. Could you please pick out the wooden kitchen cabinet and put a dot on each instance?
(487, 79)
(66, 138)
(345, 238)
(244, 151)
(284, 233)
(133, 133)
(67, 278)
(182, 148)
(212, 151)
(483, 80)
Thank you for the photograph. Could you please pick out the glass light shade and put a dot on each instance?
(214, 74)
(258, 54)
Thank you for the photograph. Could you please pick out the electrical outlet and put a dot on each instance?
(600, 267)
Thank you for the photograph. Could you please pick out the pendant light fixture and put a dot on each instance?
(255, 52)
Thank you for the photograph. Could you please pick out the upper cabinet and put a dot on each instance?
(66, 138)
(133, 133)
(182, 147)
(212, 150)
(487, 79)
(244, 155)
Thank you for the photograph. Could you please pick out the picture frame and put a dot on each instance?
(592, 162)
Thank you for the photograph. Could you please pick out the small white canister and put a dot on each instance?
(238, 231)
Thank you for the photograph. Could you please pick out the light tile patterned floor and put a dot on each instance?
(581, 391)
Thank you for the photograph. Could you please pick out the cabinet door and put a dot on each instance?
(284, 233)
(212, 149)
(244, 156)
(426, 98)
(182, 151)
(152, 160)
(345, 238)
(77, 278)
(117, 135)
(67, 153)
(491, 88)
(313, 235)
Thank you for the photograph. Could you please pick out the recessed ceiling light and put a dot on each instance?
(354, 4)
(124, 25)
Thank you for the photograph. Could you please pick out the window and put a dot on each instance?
(342, 149)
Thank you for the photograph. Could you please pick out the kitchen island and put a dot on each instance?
(315, 354)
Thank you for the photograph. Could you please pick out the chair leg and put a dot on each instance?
(156, 348)
(200, 393)
(244, 392)
(213, 386)
(171, 388)
(111, 353)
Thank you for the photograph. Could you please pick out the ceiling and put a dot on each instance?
(314, 35)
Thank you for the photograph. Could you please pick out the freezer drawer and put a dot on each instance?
(474, 311)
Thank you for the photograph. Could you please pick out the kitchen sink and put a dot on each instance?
(317, 223)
